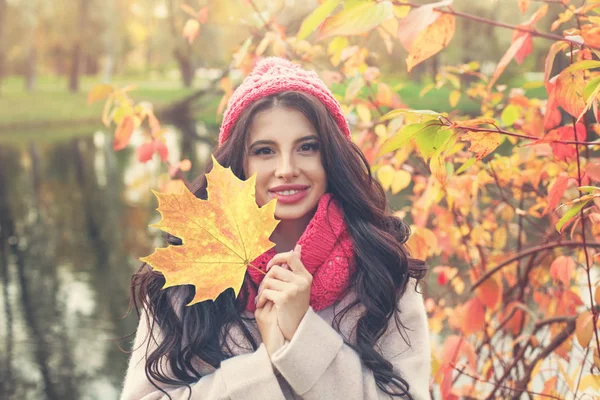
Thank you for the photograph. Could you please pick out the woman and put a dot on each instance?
(337, 315)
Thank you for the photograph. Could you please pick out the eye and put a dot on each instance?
(262, 151)
(314, 146)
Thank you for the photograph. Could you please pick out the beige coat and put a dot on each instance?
(315, 365)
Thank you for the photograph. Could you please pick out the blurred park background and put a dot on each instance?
(74, 214)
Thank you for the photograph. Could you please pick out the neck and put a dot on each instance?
(288, 232)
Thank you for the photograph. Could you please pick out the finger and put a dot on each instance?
(291, 258)
(269, 294)
(279, 259)
(281, 274)
(275, 284)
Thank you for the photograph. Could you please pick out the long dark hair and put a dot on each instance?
(383, 266)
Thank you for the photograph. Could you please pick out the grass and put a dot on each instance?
(51, 112)
(51, 101)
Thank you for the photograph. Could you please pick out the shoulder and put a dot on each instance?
(410, 311)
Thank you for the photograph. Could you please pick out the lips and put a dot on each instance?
(289, 194)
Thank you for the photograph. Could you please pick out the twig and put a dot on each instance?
(528, 252)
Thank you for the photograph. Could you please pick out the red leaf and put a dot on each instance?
(145, 152)
(456, 347)
(442, 278)
(525, 49)
(552, 117)
(563, 151)
(123, 133)
(161, 148)
(562, 269)
(556, 192)
(514, 48)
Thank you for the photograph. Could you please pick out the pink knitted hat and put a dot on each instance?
(274, 75)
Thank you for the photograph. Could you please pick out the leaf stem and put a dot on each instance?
(259, 270)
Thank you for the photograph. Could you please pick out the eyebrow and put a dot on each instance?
(302, 139)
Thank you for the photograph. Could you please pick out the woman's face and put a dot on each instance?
(283, 152)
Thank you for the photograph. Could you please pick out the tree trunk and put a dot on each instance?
(30, 68)
(183, 57)
(3, 10)
(77, 47)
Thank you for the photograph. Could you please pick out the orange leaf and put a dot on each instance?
(490, 292)
(523, 5)
(99, 92)
(591, 35)
(482, 143)
(562, 269)
(507, 58)
(592, 170)
(513, 325)
(456, 347)
(584, 328)
(556, 192)
(203, 15)
(191, 29)
(432, 40)
(473, 316)
(597, 295)
(417, 21)
(221, 236)
(569, 91)
(123, 133)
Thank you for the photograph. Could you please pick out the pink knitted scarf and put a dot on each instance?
(327, 253)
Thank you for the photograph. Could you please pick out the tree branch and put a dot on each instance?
(532, 32)
(527, 252)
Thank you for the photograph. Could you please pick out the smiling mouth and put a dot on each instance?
(289, 196)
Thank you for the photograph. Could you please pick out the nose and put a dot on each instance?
(287, 167)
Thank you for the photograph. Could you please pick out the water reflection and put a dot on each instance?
(73, 220)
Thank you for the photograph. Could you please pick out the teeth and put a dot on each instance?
(287, 192)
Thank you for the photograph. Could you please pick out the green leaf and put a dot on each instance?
(315, 18)
(401, 111)
(591, 87)
(510, 115)
(361, 18)
(570, 214)
(432, 139)
(589, 189)
(584, 64)
(354, 87)
(466, 165)
(401, 137)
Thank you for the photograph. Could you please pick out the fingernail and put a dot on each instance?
(298, 248)
(256, 300)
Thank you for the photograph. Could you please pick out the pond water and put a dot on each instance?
(74, 219)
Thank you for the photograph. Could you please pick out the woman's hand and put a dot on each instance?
(289, 290)
(266, 319)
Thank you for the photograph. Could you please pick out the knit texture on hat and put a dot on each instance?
(275, 75)
(327, 253)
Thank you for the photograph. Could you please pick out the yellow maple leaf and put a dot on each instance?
(220, 236)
